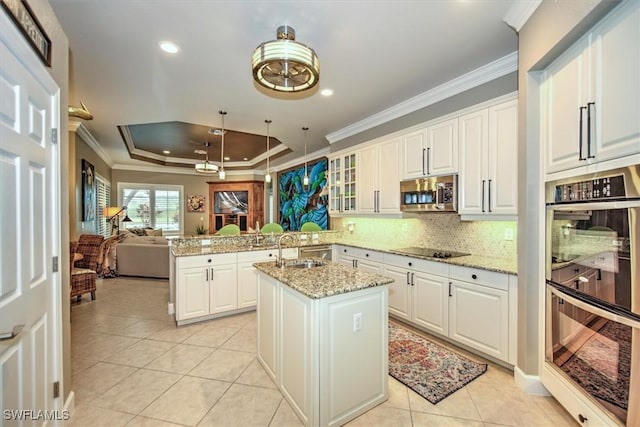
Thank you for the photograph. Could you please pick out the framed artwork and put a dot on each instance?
(88, 192)
(298, 203)
(196, 203)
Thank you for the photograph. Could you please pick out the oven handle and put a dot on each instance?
(593, 306)
(596, 206)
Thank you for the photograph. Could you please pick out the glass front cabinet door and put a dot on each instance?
(342, 183)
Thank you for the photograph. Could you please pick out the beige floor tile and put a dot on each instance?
(236, 321)
(87, 415)
(79, 364)
(94, 381)
(116, 324)
(103, 347)
(506, 405)
(150, 422)
(554, 410)
(285, 417)
(243, 340)
(430, 420)
(137, 391)
(180, 359)
(141, 353)
(398, 395)
(497, 375)
(243, 405)
(187, 401)
(143, 328)
(223, 365)
(383, 416)
(255, 375)
(459, 404)
(210, 336)
(175, 334)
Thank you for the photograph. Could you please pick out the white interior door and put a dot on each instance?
(29, 189)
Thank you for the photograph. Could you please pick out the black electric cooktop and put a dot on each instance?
(429, 252)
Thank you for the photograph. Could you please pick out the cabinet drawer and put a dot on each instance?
(431, 267)
(206, 260)
(361, 253)
(491, 279)
(568, 272)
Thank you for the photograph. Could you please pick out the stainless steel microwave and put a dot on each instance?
(433, 194)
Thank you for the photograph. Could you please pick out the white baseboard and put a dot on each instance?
(530, 384)
(70, 403)
(171, 308)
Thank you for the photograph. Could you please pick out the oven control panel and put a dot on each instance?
(594, 189)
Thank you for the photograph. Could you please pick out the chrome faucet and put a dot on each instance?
(280, 261)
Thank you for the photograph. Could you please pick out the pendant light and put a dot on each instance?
(206, 167)
(305, 180)
(222, 174)
(267, 175)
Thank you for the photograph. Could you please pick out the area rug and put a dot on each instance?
(602, 364)
(429, 369)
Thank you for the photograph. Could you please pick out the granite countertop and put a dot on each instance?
(500, 265)
(329, 279)
(229, 248)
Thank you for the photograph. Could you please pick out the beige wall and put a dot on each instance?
(552, 28)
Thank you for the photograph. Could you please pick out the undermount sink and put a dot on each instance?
(305, 263)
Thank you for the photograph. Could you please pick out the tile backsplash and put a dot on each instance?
(434, 230)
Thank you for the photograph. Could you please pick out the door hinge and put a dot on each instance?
(55, 264)
(56, 389)
(54, 135)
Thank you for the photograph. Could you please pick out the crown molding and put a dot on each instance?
(520, 12)
(81, 130)
(491, 71)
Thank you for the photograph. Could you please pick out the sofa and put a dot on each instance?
(144, 256)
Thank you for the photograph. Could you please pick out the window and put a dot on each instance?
(151, 205)
(103, 200)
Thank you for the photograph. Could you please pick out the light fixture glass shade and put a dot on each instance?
(305, 180)
(284, 65)
(111, 211)
(206, 167)
(222, 174)
(267, 177)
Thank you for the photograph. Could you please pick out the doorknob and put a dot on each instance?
(10, 335)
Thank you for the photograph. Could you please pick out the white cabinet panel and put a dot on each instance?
(399, 291)
(223, 288)
(442, 148)
(430, 302)
(414, 153)
(379, 178)
(193, 293)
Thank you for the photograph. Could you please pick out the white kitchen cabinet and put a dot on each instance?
(431, 151)
(223, 284)
(419, 293)
(479, 310)
(488, 161)
(591, 96)
(247, 274)
(342, 183)
(378, 178)
(192, 299)
(365, 259)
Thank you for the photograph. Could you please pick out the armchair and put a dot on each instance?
(83, 271)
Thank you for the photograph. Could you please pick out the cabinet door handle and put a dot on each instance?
(428, 155)
(489, 196)
(355, 263)
(581, 157)
(207, 273)
(450, 289)
(589, 104)
(408, 280)
(413, 275)
(483, 182)
(424, 151)
(599, 276)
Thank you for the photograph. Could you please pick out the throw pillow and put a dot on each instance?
(152, 232)
(138, 231)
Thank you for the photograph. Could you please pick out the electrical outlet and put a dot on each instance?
(508, 234)
(357, 322)
(405, 227)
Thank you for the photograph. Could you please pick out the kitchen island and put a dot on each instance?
(322, 337)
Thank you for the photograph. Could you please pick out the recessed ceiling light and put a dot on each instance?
(326, 92)
(245, 158)
(169, 47)
(166, 152)
(227, 158)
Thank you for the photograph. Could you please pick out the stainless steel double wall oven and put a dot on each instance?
(593, 287)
